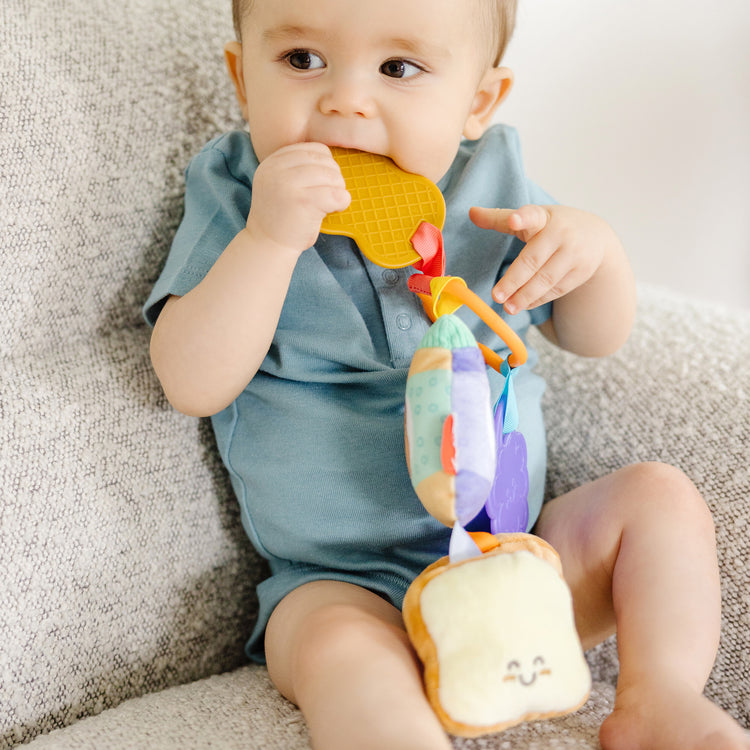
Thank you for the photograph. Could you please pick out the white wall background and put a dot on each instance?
(639, 110)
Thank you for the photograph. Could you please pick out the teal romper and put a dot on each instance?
(314, 444)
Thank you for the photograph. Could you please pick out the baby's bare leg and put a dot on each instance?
(638, 551)
(342, 655)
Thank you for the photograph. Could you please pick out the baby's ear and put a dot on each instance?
(491, 92)
(233, 57)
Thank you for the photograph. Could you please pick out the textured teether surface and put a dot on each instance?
(387, 206)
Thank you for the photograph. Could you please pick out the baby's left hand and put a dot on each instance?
(564, 248)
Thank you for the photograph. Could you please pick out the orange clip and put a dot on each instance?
(448, 293)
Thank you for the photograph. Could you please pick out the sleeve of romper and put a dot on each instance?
(217, 201)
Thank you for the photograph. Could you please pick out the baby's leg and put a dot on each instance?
(342, 655)
(638, 551)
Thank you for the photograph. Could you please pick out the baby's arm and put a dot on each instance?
(208, 345)
(574, 258)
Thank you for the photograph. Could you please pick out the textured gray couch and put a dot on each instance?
(126, 584)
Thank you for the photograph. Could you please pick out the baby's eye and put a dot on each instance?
(400, 69)
(302, 59)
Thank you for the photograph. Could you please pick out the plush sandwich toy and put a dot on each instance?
(492, 621)
(497, 638)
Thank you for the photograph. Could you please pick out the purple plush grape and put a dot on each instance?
(507, 504)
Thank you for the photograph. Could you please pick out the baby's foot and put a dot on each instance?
(669, 718)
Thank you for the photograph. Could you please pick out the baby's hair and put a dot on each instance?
(497, 15)
(239, 9)
(500, 17)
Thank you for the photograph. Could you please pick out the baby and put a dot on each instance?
(299, 347)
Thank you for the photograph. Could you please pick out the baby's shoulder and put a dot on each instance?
(497, 152)
(498, 138)
(229, 154)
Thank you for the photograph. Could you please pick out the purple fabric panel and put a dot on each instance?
(471, 492)
(473, 423)
(473, 432)
(468, 359)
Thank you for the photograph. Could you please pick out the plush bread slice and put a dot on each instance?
(497, 638)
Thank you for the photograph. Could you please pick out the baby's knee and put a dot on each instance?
(658, 490)
(338, 634)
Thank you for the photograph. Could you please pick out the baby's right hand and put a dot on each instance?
(293, 190)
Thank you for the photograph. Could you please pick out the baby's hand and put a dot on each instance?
(564, 248)
(293, 189)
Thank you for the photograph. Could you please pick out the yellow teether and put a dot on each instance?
(387, 206)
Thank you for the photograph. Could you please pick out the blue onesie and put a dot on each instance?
(314, 444)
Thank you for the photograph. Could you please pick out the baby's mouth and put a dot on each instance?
(354, 146)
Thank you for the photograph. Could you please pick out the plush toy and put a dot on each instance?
(450, 435)
(497, 638)
(492, 621)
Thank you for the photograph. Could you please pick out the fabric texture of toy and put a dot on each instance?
(492, 621)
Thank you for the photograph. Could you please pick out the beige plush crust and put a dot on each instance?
(431, 358)
(425, 647)
(437, 493)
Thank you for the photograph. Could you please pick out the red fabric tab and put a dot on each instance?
(448, 447)
(419, 283)
(428, 242)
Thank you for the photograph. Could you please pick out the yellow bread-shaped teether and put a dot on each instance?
(387, 206)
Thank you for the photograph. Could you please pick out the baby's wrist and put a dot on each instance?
(261, 239)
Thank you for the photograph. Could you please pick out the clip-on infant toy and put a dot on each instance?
(493, 621)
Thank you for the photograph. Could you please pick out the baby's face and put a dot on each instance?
(393, 77)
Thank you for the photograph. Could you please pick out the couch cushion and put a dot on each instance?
(124, 569)
(103, 103)
(242, 711)
(124, 566)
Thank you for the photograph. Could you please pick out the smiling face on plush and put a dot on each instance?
(527, 677)
(499, 642)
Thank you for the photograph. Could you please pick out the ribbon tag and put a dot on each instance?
(507, 504)
(507, 401)
(462, 546)
(427, 240)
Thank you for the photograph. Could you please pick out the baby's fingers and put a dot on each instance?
(522, 222)
(531, 276)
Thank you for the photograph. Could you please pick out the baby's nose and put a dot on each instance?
(349, 97)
